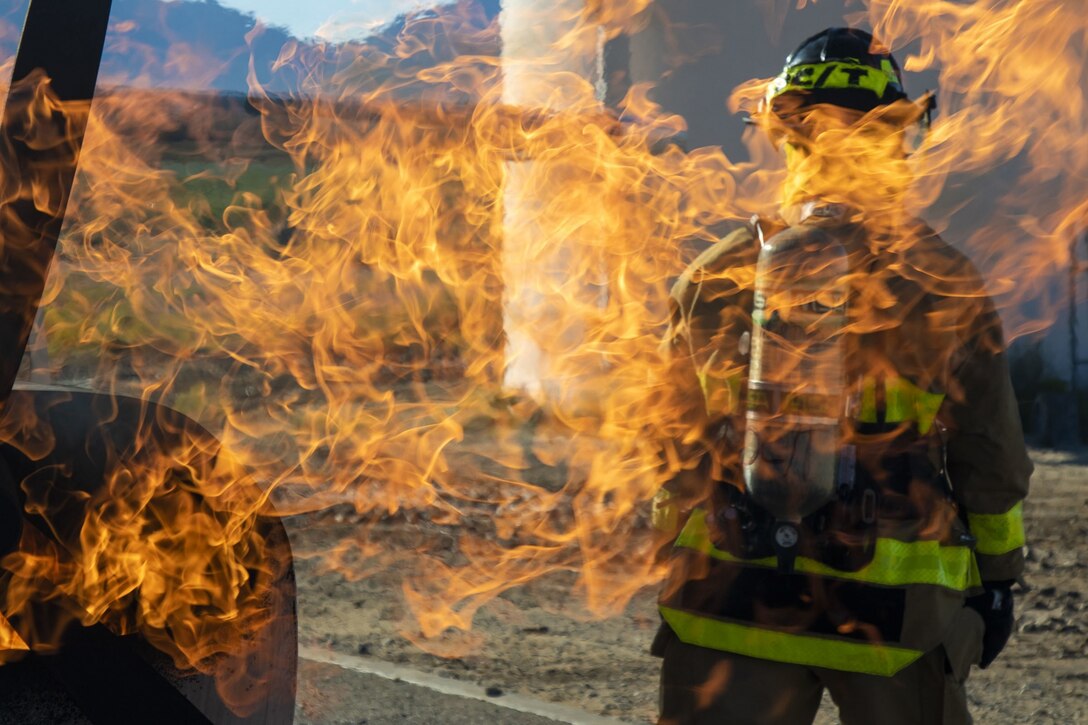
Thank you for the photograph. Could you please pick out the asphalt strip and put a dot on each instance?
(455, 688)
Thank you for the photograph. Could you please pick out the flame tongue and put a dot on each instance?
(10, 641)
(345, 285)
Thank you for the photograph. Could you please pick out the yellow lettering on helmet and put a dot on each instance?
(834, 75)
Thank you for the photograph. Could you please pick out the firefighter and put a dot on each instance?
(888, 590)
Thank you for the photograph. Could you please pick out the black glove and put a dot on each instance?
(995, 607)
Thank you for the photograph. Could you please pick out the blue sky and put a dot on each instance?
(330, 19)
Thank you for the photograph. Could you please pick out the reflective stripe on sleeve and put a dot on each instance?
(998, 533)
(799, 649)
(895, 563)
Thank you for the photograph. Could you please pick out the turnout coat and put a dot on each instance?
(935, 437)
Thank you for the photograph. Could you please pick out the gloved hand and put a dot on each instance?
(996, 608)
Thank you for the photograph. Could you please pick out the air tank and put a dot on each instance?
(796, 384)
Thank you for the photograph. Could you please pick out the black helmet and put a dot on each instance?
(843, 67)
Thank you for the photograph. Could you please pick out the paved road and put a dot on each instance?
(337, 689)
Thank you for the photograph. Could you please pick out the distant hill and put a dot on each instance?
(12, 13)
(201, 45)
(191, 45)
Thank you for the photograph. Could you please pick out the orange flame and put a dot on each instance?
(346, 298)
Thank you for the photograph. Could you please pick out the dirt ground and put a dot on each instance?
(603, 667)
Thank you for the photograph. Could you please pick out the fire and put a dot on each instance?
(344, 282)
(1012, 84)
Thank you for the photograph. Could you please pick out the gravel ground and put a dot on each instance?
(531, 646)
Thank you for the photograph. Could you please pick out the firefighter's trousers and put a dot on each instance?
(704, 686)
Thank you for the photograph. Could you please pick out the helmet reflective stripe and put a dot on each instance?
(835, 74)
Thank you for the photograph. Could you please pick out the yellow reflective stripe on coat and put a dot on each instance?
(895, 563)
(998, 534)
(721, 392)
(664, 515)
(903, 401)
(798, 649)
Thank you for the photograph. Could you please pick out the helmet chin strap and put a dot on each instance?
(927, 103)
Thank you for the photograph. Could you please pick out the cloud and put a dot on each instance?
(364, 17)
(328, 19)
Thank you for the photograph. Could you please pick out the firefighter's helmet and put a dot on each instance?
(844, 68)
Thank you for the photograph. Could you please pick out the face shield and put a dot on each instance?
(838, 144)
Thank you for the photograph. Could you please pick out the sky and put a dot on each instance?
(328, 19)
